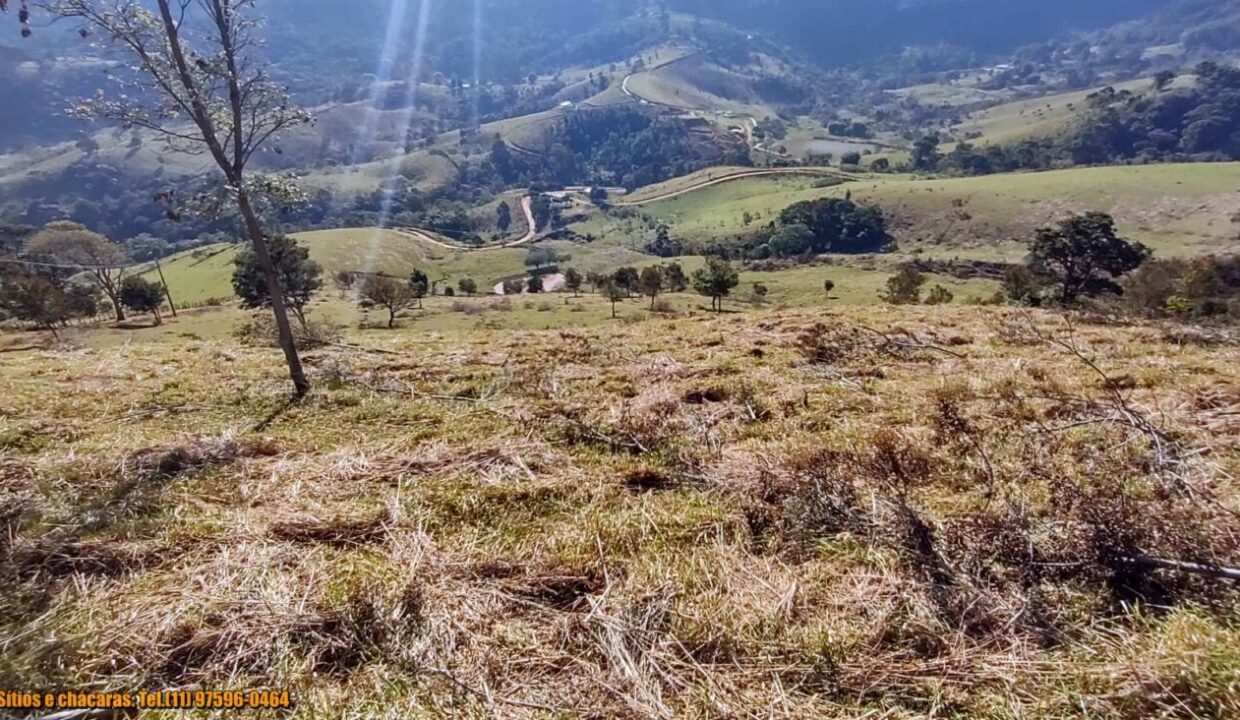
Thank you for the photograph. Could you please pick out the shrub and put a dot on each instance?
(939, 295)
(904, 288)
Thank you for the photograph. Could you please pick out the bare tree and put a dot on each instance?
(195, 83)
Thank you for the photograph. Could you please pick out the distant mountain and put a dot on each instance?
(843, 32)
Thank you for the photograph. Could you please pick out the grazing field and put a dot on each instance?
(1178, 210)
(851, 512)
(1039, 117)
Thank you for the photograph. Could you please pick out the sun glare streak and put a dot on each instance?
(404, 125)
(476, 88)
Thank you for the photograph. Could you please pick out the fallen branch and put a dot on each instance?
(1214, 571)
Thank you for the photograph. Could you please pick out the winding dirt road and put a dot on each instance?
(740, 175)
(531, 234)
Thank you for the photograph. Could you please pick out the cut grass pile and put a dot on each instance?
(867, 512)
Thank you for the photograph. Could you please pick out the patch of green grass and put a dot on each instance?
(1038, 117)
(1178, 209)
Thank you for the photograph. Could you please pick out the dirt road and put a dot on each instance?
(740, 175)
(531, 234)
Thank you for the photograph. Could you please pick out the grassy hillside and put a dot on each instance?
(1177, 209)
(1038, 117)
(682, 516)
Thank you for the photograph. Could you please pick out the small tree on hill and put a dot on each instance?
(387, 293)
(904, 288)
(467, 286)
(651, 283)
(597, 280)
(572, 281)
(33, 299)
(828, 287)
(419, 286)
(513, 287)
(1020, 286)
(534, 284)
(297, 276)
(1084, 255)
(195, 80)
(71, 244)
(628, 279)
(925, 155)
(614, 294)
(142, 296)
(716, 281)
(939, 295)
(82, 299)
(503, 216)
(674, 277)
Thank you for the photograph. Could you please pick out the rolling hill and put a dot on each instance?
(1178, 209)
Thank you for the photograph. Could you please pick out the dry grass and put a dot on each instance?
(893, 513)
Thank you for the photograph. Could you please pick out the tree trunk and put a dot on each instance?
(255, 231)
(391, 318)
(167, 293)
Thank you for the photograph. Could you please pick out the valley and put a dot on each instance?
(591, 359)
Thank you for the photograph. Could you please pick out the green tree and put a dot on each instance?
(925, 155)
(651, 283)
(297, 276)
(513, 287)
(573, 280)
(828, 287)
(387, 293)
(503, 216)
(939, 295)
(142, 296)
(82, 299)
(1021, 286)
(904, 288)
(543, 210)
(614, 294)
(71, 244)
(467, 286)
(419, 286)
(534, 284)
(1084, 255)
(716, 281)
(203, 91)
(675, 278)
(628, 279)
(33, 299)
(597, 280)
(1163, 79)
(539, 257)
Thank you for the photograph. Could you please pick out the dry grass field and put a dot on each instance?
(853, 512)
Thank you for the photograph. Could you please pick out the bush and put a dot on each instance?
(1201, 287)
(939, 295)
(904, 288)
